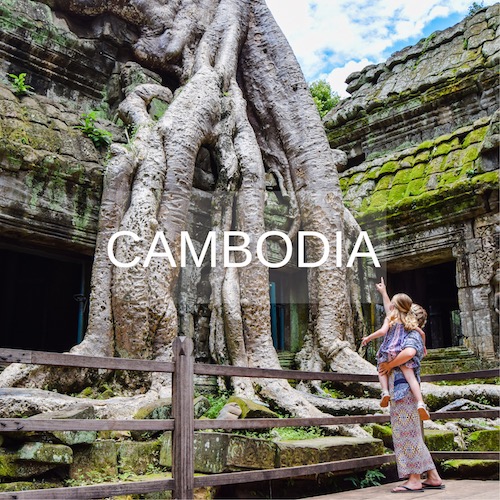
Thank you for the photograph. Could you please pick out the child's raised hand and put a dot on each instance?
(381, 286)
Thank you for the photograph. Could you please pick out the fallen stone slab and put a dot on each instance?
(46, 453)
(326, 449)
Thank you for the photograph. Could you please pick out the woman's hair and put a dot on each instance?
(420, 313)
(402, 312)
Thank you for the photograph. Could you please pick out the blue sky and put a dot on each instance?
(333, 38)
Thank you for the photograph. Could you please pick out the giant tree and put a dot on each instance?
(235, 90)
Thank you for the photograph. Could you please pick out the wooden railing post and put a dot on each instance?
(183, 414)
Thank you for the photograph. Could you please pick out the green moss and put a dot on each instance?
(397, 193)
(425, 145)
(415, 187)
(402, 177)
(476, 136)
(389, 167)
(373, 173)
(418, 171)
(486, 440)
(344, 183)
(470, 154)
(379, 199)
(423, 156)
(384, 183)
(437, 440)
(442, 149)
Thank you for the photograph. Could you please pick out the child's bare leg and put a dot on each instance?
(384, 383)
(410, 377)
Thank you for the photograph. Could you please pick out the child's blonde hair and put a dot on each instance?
(420, 313)
(402, 312)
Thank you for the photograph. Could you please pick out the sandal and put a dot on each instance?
(384, 402)
(423, 412)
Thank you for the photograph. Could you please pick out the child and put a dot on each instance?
(397, 323)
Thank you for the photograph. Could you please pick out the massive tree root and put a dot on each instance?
(240, 94)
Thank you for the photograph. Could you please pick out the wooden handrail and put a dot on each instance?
(183, 369)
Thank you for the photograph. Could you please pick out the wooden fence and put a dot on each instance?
(183, 424)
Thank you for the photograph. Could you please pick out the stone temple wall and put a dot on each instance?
(421, 132)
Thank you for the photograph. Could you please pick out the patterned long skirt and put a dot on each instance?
(412, 455)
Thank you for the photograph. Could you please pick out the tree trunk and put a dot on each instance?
(241, 95)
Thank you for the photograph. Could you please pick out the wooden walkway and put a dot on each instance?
(465, 489)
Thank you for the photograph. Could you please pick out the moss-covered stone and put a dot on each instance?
(134, 457)
(389, 167)
(326, 449)
(437, 440)
(471, 469)
(251, 409)
(97, 458)
(27, 485)
(383, 432)
(486, 440)
(46, 453)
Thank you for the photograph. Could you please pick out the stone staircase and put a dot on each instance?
(452, 360)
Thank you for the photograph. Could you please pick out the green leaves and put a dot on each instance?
(19, 85)
(99, 136)
(324, 98)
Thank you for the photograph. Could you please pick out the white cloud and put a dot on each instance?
(329, 36)
(336, 78)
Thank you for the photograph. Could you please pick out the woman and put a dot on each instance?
(412, 456)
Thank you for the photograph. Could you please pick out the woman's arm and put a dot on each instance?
(404, 356)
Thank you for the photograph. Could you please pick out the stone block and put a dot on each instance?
(27, 485)
(471, 469)
(70, 437)
(326, 449)
(384, 433)
(46, 453)
(216, 452)
(12, 468)
(437, 440)
(487, 440)
(251, 409)
(97, 458)
(250, 453)
(136, 457)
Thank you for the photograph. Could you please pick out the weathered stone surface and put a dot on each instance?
(471, 469)
(251, 409)
(98, 458)
(437, 440)
(136, 457)
(216, 452)
(11, 467)
(159, 409)
(326, 449)
(201, 406)
(71, 437)
(27, 485)
(487, 440)
(230, 411)
(383, 432)
(46, 453)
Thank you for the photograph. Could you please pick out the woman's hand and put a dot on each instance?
(365, 340)
(381, 287)
(384, 368)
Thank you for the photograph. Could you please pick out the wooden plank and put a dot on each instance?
(465, 455)
(183, 414)
(240, 371)
(288, 472)
(461, 376)
(40, 425)
(73, 360)
(92, 491)
(264, 423)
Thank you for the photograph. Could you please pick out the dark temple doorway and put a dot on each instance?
(43, 300)
(433, 287)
